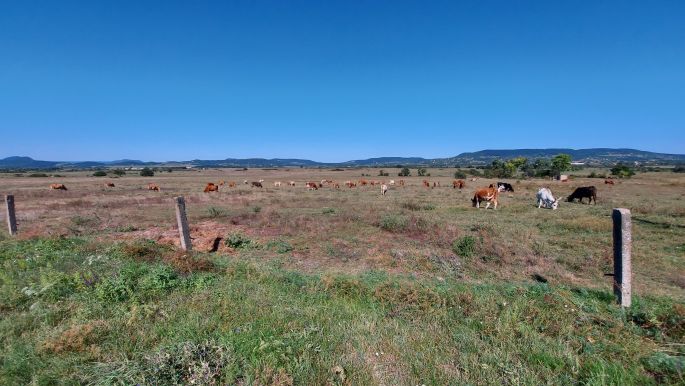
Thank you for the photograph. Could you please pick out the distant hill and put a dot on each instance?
(599, 157)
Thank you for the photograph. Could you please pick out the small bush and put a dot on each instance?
(99, 173)
(465, 246)
(125, 228)
(280, 246)
(119, 172)
(679, 169)
(622, 171)
(411, 205)
(404, 172)
(214, 212)
(189, 363)
(147, 172)
(328, 211)
(239, 241)
(38, 175)
(393, 223)
(459, 175)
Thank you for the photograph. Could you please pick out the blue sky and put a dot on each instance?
(337, 80)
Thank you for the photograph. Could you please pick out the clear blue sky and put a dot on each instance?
(337, 80)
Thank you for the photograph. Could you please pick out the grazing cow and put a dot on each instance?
(608, 181)
(277, 184)
(245, 182)
(585, 191)
(474, 179)
(507, 187)
(336, 185)
(154, 187)
(401, 182)
(256, 184)
(372, 183)
(58, 187)
(562, 178)
(426, 184)
(458, 184)
(109, 184)
(392, 182)
(231, 184)
(291, 183)
(384, 189)
(311, 186)
(260, 181)
(489, 194)
(363, 182)
(221, 183)
(546, 199)
(211, 187)
(350, 184)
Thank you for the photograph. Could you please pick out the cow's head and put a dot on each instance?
(555, 204)
(501, 188)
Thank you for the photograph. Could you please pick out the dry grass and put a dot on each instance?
(411, 230)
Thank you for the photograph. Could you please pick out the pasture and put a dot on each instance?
(341, 286)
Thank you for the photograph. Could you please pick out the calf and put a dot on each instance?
(489, 194)
(546, 198)
(585, 191)
(256, 184)
(506, 187)
(58, 187)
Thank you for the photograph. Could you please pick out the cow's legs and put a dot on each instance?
(487, 205)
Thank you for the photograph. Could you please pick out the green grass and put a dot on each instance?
(74, 311)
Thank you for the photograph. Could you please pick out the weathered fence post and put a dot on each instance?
(11, 217)
(623, 242)
(182, 221)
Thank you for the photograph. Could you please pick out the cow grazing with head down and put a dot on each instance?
(153, 187)
(426, 184)
(58, 187)
(109, 184)
(608, 181)
(384, 189)
(401, 182)
(584, 191)
(311, 185)
(256, 184)
(231, 184)
(211, 187)
(458, 184)
(291, 183)
(546, 199)
(489, 195)
(506, 187)
(277, 184)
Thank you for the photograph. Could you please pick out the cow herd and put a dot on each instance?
(489, 195)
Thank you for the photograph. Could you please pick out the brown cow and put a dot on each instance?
(154, 187)
(231, 184)
(256, 184)
(363, 182)
(58, 187)
(211, 187)
(401, 182)
(608, 181)
(489, 194)
(426, 184)
(109, 184)
(311, 185)
(458, 184)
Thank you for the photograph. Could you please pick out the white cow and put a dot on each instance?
(291, 183)
(392, 182)
(546, 198)
(277, 184)
(384, 189)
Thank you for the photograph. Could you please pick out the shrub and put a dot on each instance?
(214, 212)
(328, 211)
(280, 246)
(421, 172)
(679, 169)
(382, 173)
(393, 223)
(411, 205)
(118, 172)
(459, 175)
(257, 209)
(622, 171)
(99, 173)
(404, 172)
(38, 175)
(239, 241)
(147, 172)
(465, 246)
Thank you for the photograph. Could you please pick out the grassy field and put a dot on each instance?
(337, 286)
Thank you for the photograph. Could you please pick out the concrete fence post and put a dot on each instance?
(623, 243)
(11, 216)
(182, 221)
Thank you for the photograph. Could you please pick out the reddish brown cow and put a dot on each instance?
(231, 184)
(363, 182)
(58, 187)
(154, 187)
(426, 184)
(109, 184)
(458, 184)
(489, 195)
(211, 187)
(311, 186)
(608, 181)
(401, 182)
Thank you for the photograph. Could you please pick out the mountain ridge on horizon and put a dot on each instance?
(591, 156)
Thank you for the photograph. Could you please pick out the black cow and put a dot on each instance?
(256, 184)
(584, 191)
(506, 187)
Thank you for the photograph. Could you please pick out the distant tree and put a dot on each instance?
(99, 173)
(382, 173)
(679, 169)
(404, 172)
(622, 171)
(500, 169)
(118, 172)
(169, 170)
(561, 163)
(147, 172)
(459, 174)
(421, 172)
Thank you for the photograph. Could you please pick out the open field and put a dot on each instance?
(414, 287)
